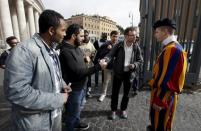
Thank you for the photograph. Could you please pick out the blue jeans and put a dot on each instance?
(73, 109)
(83, 100)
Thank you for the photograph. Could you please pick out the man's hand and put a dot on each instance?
(103, 64)
(87, 59)
(157, 108)
(109, 47)
(67, 89)
(2, 66)
(65, 97)
(131, 66)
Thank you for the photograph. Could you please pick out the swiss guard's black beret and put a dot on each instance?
(165, 22)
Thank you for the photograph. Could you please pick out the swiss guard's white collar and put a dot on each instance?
(169, 39)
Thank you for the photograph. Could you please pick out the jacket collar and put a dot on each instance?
(45, 52)
(39, 40)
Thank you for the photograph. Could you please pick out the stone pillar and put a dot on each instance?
(22, 19)
(15, 21)
(31, 20)
(36, 15)
(28, 30)
(5, 18)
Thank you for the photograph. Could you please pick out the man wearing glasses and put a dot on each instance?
(127, 59)
(12, 42)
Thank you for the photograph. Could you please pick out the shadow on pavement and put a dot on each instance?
(90, 114)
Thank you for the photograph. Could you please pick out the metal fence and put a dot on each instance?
(187, 14)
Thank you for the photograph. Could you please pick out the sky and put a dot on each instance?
(117, 10)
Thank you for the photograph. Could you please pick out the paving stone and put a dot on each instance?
(188, 114)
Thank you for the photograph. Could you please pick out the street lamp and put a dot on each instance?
(131, 16)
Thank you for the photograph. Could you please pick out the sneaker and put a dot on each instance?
(101, 98)
(82, 126)
(89, 89)
(124, 115)
(113, 115)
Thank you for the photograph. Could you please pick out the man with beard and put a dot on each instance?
(33, 81)
(89, 51)
(75, 71)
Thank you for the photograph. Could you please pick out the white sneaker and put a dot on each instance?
(101, 98)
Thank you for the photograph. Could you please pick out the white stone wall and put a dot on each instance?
(19, 18)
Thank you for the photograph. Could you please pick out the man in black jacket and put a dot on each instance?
(97, 45)
(101, 53)
(75, 71)
(127, 59)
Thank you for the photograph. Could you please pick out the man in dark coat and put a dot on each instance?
(101, 53)
(127, 59)
(75, 71)
(97, 45)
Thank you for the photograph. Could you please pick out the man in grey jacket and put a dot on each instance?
(33, 81)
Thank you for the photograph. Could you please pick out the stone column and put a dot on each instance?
(5, 18)
(28, 30)
(15, 21)
(22, 19)
(36, 15)
(31, 20)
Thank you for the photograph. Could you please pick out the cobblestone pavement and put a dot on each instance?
(188, 115)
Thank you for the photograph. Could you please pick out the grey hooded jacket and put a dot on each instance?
(29, 86)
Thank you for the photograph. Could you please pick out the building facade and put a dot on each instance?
(96, 25)
(19, 18)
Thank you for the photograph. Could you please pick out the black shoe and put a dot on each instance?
(149, 128)
(82, 126)
(124, 115)
(113, 115)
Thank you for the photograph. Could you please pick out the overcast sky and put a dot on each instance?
(117, 10)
